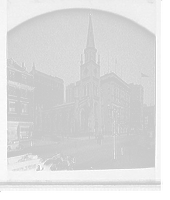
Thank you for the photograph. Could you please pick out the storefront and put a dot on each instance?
(12, 131)
(25, 130)
(19, 128)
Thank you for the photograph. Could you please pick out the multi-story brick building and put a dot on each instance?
(20, 105)
(136, 107)
(48, 93)
(115, 103)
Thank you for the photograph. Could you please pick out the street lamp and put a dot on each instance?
(114, 130)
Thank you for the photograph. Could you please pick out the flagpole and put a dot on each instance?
(116, 66)
(108, 63)
(140, 79)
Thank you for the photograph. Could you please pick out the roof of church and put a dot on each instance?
(112, 76)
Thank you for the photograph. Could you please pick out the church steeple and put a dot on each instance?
(90, 50)
(90, 36)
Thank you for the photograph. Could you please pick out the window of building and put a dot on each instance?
(12, 106)
(95, 109)
(24, 132)
(11, 74)
(24, 93)
(85, 90)
(96, 89)
(12, 91)
(24, 78)
(24, 108)
(88, 89)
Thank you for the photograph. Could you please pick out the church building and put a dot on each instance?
(80, 114)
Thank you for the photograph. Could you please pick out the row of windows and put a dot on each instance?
(13, 91)
(13, 107)
(14, 76)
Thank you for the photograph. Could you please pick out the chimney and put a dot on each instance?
(23, 67)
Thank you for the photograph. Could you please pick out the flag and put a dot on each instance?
(144, 75)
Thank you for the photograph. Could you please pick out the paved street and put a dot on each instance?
(89, 154)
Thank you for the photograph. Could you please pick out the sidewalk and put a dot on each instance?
(134, 157)
(37, 142)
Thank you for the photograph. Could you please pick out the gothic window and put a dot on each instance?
(95, 72)
(84, 90)
(95, 110)
(96, 89)
(93, 89)
(83, 120)
(88, 89)
(86, 72)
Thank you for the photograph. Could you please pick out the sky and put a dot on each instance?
(56, 40)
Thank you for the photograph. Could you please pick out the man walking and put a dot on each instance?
(121, 150)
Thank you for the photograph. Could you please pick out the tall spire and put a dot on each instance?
(90, 36)
(90, 50)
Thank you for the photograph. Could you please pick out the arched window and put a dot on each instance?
(95, 110)
(84, 90)
(93, 88)
(87, 56)
(82, 119)
(88, 89)
(96, 89)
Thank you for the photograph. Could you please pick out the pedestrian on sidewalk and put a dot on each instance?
(31, 142)
(121, 150)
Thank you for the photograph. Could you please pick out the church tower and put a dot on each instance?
(90, 50)
(90, 82)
